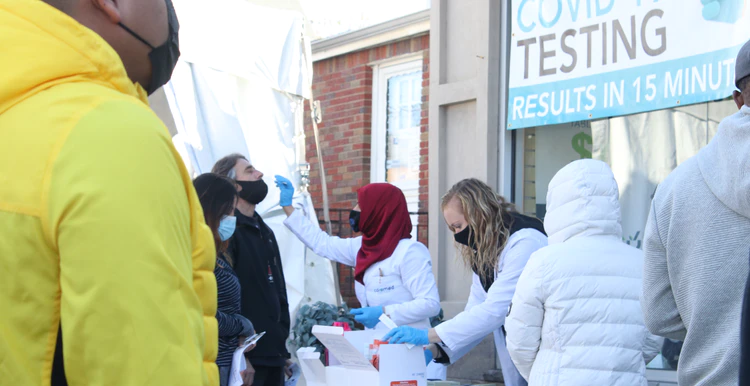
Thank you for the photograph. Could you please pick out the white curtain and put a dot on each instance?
(240, 87)
(643, 149)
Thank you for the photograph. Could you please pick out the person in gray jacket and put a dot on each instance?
(745, 334)
(696, 248)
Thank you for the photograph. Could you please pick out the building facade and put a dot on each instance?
(485, 69)
(373, 90)
(522, 88)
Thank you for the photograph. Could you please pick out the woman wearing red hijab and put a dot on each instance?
(393, 272)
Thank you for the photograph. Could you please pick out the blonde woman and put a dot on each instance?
(495, 242)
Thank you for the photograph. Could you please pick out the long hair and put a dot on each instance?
(217, 195)
(488, 215)
(225, 166)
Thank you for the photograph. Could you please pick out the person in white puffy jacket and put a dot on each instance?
(576, 317)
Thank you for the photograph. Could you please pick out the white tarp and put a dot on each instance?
(247, 40)
(239, 87)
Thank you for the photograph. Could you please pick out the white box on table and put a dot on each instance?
(399, 365)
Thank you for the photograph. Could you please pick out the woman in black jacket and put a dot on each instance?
(218, 197)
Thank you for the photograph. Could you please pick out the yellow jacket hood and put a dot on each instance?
(102, 235)
(49, 48)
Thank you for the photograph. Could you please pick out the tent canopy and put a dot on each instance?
(239, 87)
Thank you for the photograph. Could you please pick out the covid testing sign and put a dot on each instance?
(575, 60)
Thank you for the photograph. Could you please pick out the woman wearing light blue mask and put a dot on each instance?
(218, 197)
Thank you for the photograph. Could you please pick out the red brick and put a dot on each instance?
(358, 125)
(351, 91)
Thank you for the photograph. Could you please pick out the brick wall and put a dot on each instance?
(343, 85)
(423, 151)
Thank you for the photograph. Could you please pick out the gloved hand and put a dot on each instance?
(427, 356)
(406, 334)
(368, 315)
(287, 190)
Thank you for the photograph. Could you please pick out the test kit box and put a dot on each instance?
(398, 364)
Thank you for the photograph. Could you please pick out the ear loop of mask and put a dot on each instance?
(135, 35)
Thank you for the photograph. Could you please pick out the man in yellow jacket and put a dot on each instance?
(106, 265)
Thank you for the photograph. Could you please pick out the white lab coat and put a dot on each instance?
(403, 283)
(486, 310)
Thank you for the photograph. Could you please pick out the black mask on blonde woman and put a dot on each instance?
(464, 238)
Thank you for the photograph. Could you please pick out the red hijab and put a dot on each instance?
(384, 222)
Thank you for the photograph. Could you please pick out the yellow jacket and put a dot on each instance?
(100, 228)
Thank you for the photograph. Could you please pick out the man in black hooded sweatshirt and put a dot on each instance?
(257, 261)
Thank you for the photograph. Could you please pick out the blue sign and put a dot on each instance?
(575, 60)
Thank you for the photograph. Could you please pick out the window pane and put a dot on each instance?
(641, 149)
(403, 116)
(404, 108)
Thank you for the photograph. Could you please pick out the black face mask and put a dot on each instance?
(463, 238)
(164, 57)
(253, 191)
(354, 220)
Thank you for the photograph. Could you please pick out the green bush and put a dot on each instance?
(634, 241)
(318, 314)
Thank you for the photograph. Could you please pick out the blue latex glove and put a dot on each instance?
(427, 357)
(368, 315)
(287, 190)
(406, 334)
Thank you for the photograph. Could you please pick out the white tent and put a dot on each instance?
(240, 87)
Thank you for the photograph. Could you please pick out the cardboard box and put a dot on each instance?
(399, 365)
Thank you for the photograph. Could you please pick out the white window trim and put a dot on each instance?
(381, 72)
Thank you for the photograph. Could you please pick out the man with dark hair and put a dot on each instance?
(695, 265)
(106, 264)
(257, 262)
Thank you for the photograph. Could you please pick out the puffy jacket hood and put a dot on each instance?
(582, 200)
(71, 114)
(50, 48)
(725, 165)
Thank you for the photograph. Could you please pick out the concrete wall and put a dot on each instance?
(466, 140)
(464, 122)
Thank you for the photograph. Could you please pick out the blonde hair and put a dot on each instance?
(488, 215)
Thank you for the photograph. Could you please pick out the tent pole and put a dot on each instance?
(316, 116)
(326, 212)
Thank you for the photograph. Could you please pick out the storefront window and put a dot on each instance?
(641, 149)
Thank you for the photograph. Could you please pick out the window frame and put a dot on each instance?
(381, 72)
